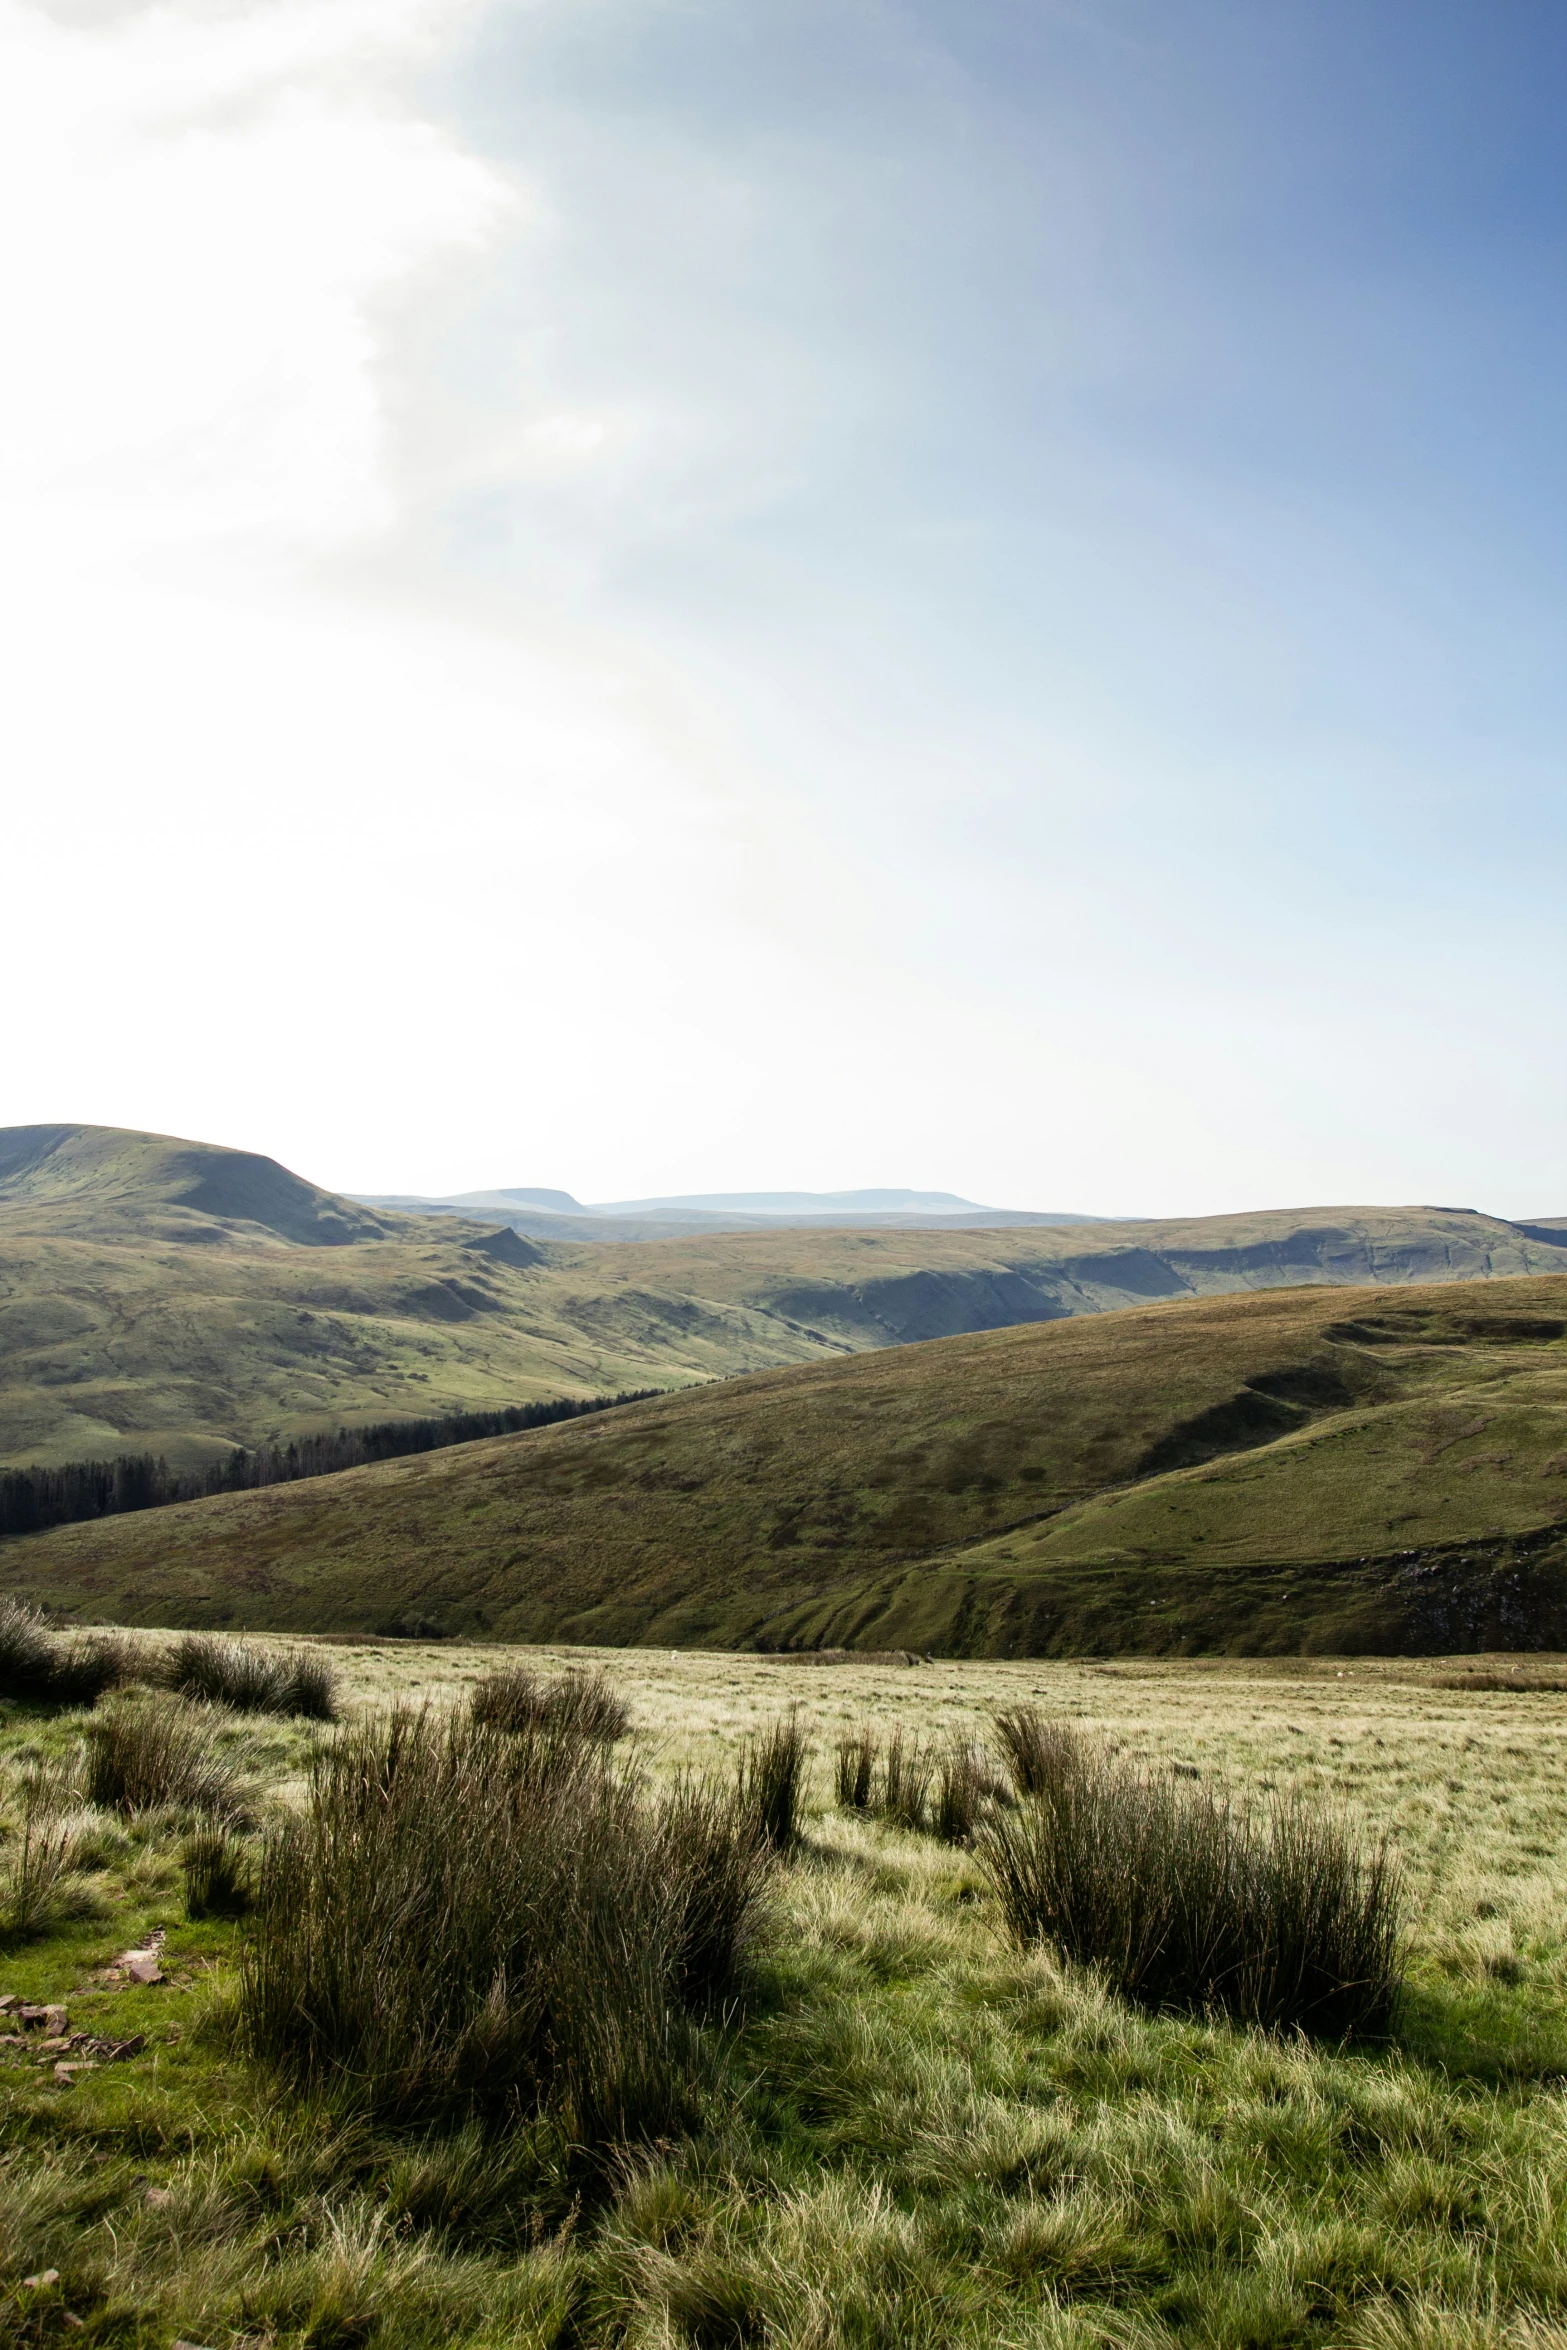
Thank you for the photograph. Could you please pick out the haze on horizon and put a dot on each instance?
(674, 599)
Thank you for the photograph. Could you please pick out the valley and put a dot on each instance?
(1289, 1471)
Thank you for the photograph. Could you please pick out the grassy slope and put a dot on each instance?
(1287, 1470)
(163, 1295)
(887, 1289)
(913, 2134)
(159, 1348)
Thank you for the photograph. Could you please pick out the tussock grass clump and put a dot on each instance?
(1181, 1899)
(910, 1767)
(719, 1870)
(219, 1881)
(1036, 1749)
(27, 1652)
(41, 1860)
(772, 1781)
(512, 1700)
(250, 1679)
(966, 1788)
(858, 1752)
(588, 1705)
(579, 1704)
(34, 1875)
(161, 1754)
(470, 1922)
(38, 1667)
(918, 1784)
(312, 1693)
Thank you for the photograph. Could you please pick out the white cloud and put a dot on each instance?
(525, 668)
(205, 208)
(318, 866)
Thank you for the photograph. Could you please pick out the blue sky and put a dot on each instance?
(771, 594)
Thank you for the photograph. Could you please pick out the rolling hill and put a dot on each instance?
(1306, 1469)
(173, 1297)
(168, 1296)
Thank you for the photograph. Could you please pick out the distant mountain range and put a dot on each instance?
(167, 1296)
(556, 1215)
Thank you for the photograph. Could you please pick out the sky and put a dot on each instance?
(691, 595)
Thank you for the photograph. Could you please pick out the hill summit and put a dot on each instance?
(101, 1180)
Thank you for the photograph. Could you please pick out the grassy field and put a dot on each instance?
(909, 2132)
(1284, 1471)
(173, 1297)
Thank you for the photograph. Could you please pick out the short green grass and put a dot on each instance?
(909, 2133)
(1295, 1469)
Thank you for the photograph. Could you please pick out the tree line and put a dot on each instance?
(32, 1499)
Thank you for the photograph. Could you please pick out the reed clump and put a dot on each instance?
(773, 1767)
(470, 1922)
(926, 1785)
(40, 1667)
(1181, 1898)
(967, 1789)
(159, 1753)
(218, 1874)
(41, 1858)
(718, 1871)
(577, 1704)
(1035, 1749)
(906, 1778)
(858, 1753)
(251, 1679)
(889, 1778)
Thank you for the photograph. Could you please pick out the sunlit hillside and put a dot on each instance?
(1297, 1470)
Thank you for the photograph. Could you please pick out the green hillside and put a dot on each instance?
(106, 1183)
(171, 1296)
(1294, 1470)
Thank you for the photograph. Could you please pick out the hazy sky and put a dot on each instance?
(669, 595)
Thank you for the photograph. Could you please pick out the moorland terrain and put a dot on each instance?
(169, 1297)
(1293, 1470)
(904, 2129)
